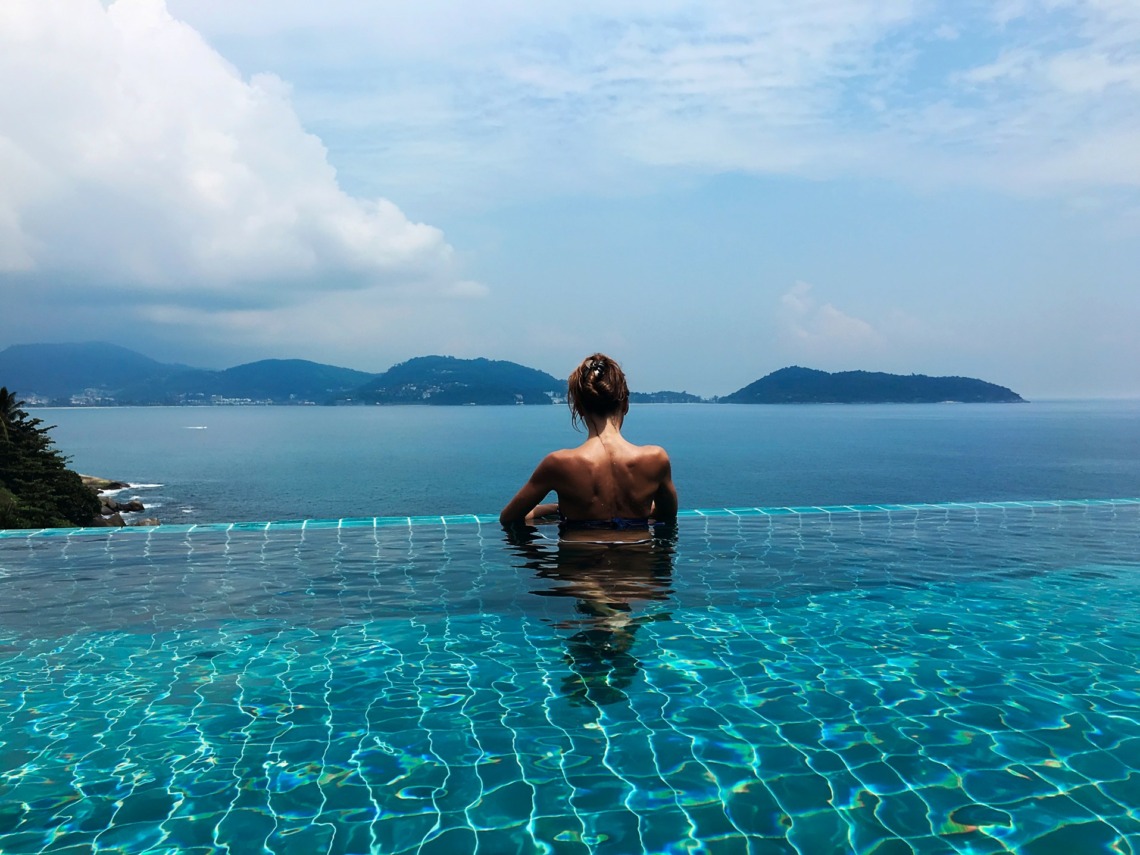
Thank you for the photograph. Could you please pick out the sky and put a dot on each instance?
(707, 190)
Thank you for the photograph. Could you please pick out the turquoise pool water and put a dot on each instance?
(927, 678)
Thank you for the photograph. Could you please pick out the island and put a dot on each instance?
(796, 385)
(446, 380)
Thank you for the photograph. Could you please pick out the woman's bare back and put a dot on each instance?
(605, 478)
(608, 478)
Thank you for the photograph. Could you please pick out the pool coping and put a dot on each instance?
(482, 519)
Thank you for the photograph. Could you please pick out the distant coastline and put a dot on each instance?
(100, 375)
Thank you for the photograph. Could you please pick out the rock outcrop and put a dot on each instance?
(111, 510)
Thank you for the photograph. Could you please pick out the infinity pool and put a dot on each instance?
(929, 678)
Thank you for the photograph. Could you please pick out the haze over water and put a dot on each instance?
(221, 464)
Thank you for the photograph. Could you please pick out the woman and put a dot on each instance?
(606, 482)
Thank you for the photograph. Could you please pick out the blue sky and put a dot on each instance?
(708, 191)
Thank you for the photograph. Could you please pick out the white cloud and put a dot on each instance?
(817, 331)
(467, 289)
(132, 154)
(521, 98)
(1055, 110)
(511, 98)
(813, 331)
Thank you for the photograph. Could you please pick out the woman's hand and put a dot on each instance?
(549, 509)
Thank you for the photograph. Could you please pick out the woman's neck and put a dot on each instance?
(603, 426)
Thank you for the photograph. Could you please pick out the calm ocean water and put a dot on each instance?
(215, 464)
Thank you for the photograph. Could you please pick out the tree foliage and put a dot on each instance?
(37, 490)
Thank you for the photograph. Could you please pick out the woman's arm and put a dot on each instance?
(527, 499)
(665, 499)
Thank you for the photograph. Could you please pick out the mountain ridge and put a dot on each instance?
(97, 373)
(108, 374)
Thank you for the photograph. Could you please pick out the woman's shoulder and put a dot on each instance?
(650, 458)
(564, 454)
(560, 458)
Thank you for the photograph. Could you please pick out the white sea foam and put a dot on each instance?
(130, 487)
(196, 427)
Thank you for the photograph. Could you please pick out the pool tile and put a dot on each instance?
(902, 678)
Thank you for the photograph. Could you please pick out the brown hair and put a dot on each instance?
(597, 387)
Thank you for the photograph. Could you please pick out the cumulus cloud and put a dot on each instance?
(132, 154)
(813, 331)
(817, 331)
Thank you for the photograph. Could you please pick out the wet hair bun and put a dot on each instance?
(597, 387)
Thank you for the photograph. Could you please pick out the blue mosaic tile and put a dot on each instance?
(912, 678)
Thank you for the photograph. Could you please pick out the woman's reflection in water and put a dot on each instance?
(616, 577)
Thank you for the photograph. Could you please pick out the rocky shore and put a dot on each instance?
(111, 510)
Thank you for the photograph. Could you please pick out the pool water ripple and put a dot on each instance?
(929, 679)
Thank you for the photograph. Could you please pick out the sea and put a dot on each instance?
(269, 463)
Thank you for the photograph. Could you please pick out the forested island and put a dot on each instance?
(100, 374)
(445, 380)
(797, 385)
